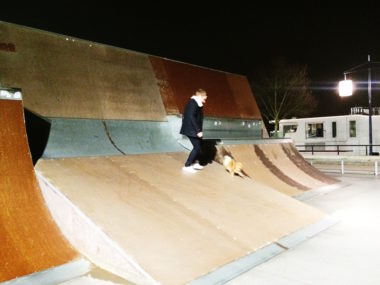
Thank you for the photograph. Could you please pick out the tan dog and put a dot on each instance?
(232, 166)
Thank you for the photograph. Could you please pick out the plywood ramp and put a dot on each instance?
(275, 153)
(67, 77)
(177, 226)
(293, 154)
(229, 95)
(30, 241)
(258, 171)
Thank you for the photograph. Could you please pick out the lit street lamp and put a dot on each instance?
(346, 89)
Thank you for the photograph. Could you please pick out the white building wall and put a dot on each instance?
(342, 132)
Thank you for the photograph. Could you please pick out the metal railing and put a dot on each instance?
(335, 148)
(348, 164)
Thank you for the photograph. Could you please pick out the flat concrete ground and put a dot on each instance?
(346, 253)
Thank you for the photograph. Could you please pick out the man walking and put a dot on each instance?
(192, 123)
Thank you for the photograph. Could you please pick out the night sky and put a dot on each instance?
(327, 37)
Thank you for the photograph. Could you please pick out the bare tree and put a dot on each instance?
(281, 91)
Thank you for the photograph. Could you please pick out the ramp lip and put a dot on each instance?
(10, 94)
(239, 266)
(320, 191)
(303, 234)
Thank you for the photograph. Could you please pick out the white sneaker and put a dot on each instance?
(189, 169)
(197, 166)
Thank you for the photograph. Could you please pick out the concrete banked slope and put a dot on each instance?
(111, 173)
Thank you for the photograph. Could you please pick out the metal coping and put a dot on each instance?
(237, 267)
(10, 93)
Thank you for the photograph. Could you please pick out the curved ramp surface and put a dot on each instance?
(81, 137)
(78, 137)
(133, 137)
(30, 241)
(293, 154)
(258, 171)
(174, 226)
(275, 154)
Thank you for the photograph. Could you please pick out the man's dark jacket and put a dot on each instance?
(192, 120)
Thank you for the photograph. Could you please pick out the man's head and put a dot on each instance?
(201, 94)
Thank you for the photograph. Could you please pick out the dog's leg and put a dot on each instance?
(240, 174)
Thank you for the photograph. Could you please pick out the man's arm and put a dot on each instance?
(193, 118)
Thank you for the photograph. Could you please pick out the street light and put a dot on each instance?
(346, 89)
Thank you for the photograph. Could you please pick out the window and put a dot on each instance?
(333, 129)
(314, 130)
(290, 128)
(352, 129)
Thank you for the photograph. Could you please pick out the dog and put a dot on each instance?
(232, 166)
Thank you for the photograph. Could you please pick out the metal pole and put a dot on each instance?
(370, 104)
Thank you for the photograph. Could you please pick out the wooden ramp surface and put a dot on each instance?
(177, 226)
(258, 171)
(67, 77)
(275, 153)
(30, 241)
(279, 166)
(291, 151)
(229, 95)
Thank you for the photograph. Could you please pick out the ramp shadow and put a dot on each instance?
(38, 130)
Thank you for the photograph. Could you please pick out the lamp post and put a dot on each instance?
(346, 89)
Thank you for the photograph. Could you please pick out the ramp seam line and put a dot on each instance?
(282, 246)
(110, 139)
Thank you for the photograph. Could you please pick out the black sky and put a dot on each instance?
(329, 37)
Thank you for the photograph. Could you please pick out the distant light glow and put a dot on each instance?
(345, 88)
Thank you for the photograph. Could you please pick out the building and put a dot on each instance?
(347, 133)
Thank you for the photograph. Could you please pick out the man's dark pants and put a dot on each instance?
(196, 142)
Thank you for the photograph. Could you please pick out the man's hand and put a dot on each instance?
(200, 134)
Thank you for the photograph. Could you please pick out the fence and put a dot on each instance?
(337, 148)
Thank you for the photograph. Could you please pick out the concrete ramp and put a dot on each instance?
(78, 137)
(31, 245)
(133, 137)
(82, 137)
(142, 218)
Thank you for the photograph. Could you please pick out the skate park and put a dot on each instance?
(107, 202)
